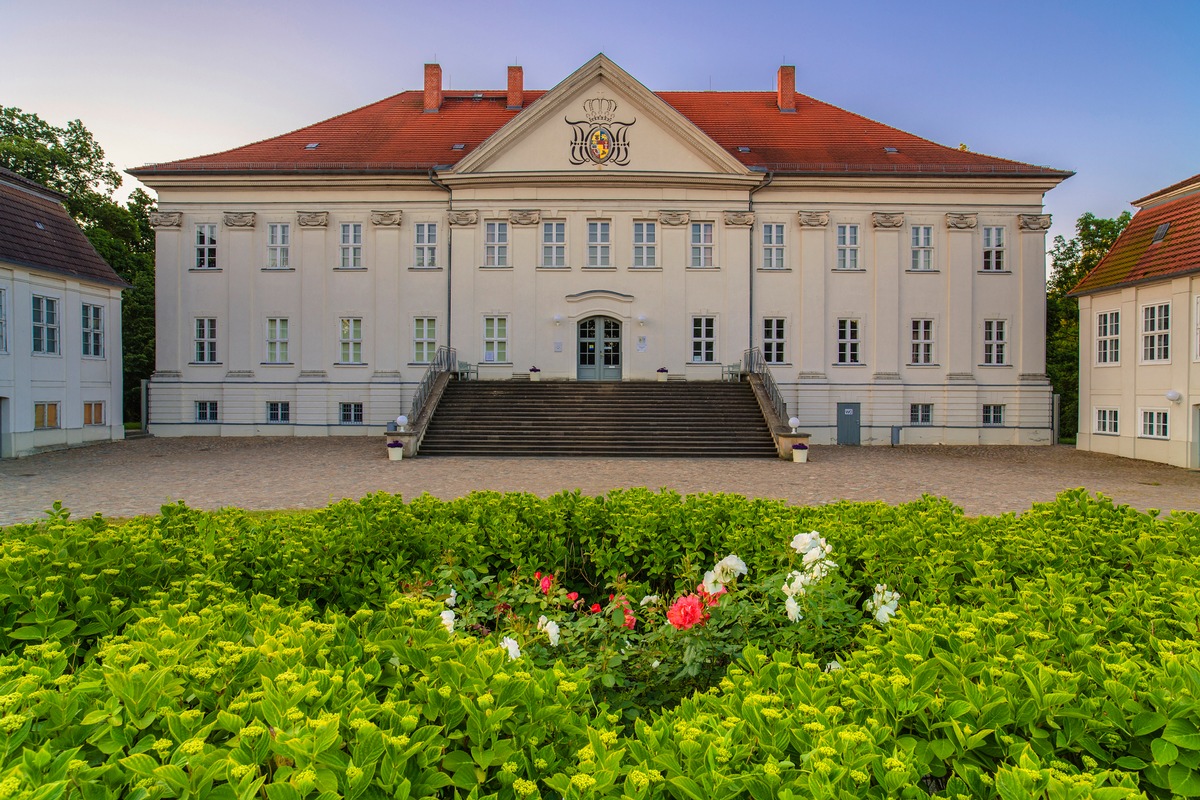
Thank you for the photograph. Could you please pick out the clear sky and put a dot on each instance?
(1109, 90)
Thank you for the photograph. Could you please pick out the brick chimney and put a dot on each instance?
(516, 87)
(433, 88)
(785, 85)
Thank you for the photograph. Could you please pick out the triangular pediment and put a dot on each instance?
(600, 120)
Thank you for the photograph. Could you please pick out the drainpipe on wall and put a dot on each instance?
(449, 248)
(770, 176)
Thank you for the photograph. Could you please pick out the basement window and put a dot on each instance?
(1161, 233)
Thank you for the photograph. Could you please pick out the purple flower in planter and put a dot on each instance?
(534, 369)
(395, 444)
(799, 446)
(663, 369)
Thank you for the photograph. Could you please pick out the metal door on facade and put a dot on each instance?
(848, 423)
(599, 349)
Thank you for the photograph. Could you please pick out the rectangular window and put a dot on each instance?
(920, 414)
(3, 321)
(279, 412)
(93, 330)
(495, 249)
(554, 244)
(847, 247)
(279, 236)
(1106, 420)
(45, 325)
(206, 411)
(350, 340)
(425, 252)
(599, 244)
(351, 245)
(922, 341)
(206, 246)
(1154, 424)
(645, 244)
(206, 340)
(704, 340)
(45, 415)
(93, 413)
(773, 352)
(922, 247)
(993, 249)
(424, 339)
(772, 246)
(1108, 337)
(350, 413)
(1156, 332)
(993, 415)
(702, 245)
(847, 341)
(995, 342)
(277, 340)
(495, 339)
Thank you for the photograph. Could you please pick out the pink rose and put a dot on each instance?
(688, 611)
(572, 596)
(547, 582)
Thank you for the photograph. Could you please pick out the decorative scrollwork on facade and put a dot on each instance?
(461, 218)
(673, 217)
(526, 216)
(387, 219)
(813, 219)
(743, 219)
(1034, 222)
(312, 219)
(962, 222)
(239, 219)
(166, 219)
(887, 220)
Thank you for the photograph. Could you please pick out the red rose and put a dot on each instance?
(688, 611)
(595, 608)
(572, 596)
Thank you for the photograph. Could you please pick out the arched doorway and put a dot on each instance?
(598, 349)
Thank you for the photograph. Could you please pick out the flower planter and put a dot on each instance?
(395, 453)
(800, 456)
(662, 376)
(535, 376)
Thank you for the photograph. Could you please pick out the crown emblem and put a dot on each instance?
(600, 110)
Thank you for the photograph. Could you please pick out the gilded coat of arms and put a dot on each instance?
(599, 138)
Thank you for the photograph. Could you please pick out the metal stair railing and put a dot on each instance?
(444, 360)
(754, 364)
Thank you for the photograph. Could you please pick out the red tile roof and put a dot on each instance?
(395, 135)
(1136, 258)
(37, 232)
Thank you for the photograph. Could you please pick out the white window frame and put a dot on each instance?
(424, 339)
(849, 342)
(350, 340)
(645, 244)
(1108, 338)
(847, 247)
(279, 240)
(206, 246)
(495, 247)
(702, 245)
(920, 414)
(46, 325)
(351, 413)
(992, 415)
(207, 411)
(277, 338)
(772, 242)
(922, 248)
(425, 245)
(774, 340)
(1156, 333)
(47, 412)
(279, 412)
(205, 341)
(3, 320)
(995, 342)
(92, 323)
(599, 247)
(93, 413)
(1106, 422)
(495, 339)
(352, 246)
(921, 351)
(1154, 423)
(704, 339)
(554, 244)
(993, 249)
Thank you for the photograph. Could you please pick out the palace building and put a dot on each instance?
(601, 231)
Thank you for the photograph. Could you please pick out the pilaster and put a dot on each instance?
(241, 273)
(170, 261)
(959, 333)
(884, 360)
(313, 325)
(1031, 272)
(814, 268)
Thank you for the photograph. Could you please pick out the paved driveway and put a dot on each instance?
(135, 477)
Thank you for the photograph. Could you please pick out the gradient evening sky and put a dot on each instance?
(1109, 90)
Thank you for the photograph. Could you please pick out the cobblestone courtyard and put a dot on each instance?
(135, 477)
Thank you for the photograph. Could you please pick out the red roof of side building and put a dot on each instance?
(396, 135)
(37, 232)
(1136, 258)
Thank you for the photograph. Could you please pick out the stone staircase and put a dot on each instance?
(673, 419)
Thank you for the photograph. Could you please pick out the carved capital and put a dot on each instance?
(1034, 222)
(673, 217)
(887, 220)
(742, 219)
(527, 216)
(813, 219)
(239, 219)
(166, 219)
(461, 218)
(961, 221)
(312, 219)
(389, 219)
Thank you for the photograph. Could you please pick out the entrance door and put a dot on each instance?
(599, 349)
(848, 424)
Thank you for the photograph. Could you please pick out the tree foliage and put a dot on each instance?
(1071, 260)
(70, 161)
